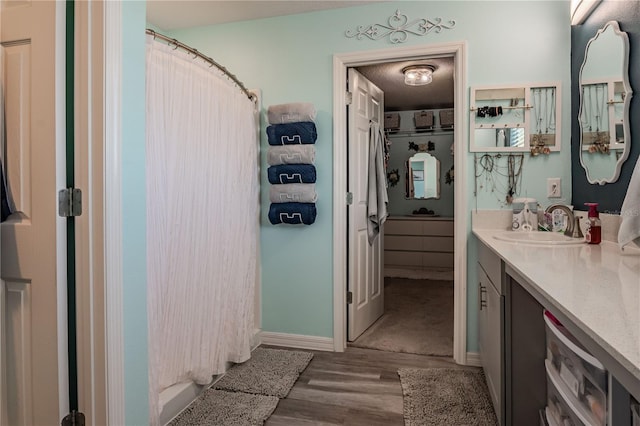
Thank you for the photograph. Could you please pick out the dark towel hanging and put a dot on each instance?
(4, 200)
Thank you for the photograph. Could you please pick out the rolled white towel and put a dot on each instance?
(293, 193)
(291, 154)
(630, 213)
(291, 113)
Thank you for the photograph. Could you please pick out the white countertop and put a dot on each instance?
(596, 286)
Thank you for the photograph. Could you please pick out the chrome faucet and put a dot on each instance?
(573, 222)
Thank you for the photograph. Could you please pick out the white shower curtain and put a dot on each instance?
(202, 220)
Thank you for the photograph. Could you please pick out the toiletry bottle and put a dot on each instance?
(594, 229)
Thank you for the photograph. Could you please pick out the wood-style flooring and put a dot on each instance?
(358, 387)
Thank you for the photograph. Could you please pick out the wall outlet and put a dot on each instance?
(554, 190)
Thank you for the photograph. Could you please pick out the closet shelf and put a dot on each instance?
(413, 133)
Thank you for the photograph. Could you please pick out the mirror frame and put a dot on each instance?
(408, 174)
(627, 102)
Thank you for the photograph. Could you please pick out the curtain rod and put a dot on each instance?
(176, 43)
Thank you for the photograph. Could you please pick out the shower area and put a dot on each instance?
(202, 222)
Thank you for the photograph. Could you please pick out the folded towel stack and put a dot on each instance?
(291, 135)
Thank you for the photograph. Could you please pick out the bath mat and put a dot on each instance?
(218, 407)
(445, 396)
(418, 319)
(268, 372)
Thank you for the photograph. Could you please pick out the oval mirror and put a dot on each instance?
(605, 95)
(423, 177)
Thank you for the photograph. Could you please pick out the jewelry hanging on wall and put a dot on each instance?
(490, 175)
(537, 143)
(601, 141)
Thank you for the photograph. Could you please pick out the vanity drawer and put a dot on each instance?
(580, 377)
(491, 263)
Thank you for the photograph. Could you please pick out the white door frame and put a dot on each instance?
(340, 64)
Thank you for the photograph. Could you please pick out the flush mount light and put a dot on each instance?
(418, 75)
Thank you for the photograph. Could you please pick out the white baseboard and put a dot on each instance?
(299, 341)
(473, 359)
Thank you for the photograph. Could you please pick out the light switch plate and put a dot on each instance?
(554, 190)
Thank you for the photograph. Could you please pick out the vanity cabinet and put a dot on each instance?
(418, 243)
(491, 325)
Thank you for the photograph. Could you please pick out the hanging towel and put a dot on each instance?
(291, 113)
(630, 213)
(294, 192)
(5, 208)
(303, 132)
(292, 173)
(291, 154)
(377, 197)
(292, 213)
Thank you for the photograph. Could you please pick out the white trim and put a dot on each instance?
(473, 359)
(113, 213)
(299, 341)
(340, 64)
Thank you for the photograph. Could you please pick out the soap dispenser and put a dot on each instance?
(594, 228)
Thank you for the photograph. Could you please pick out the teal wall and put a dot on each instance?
(134, 253)
(400, 153)
(290, 59)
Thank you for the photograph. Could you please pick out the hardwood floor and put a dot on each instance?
(357, 387)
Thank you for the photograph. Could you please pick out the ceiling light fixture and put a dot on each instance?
(418, 75)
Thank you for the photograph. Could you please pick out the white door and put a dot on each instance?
(28, 265)
(365, 262)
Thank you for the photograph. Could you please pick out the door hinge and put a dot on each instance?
(70, 202)
(349, 297)
(349, 198)
(75, 418)
(349, 98)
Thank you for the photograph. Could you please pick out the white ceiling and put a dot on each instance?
(170, 15)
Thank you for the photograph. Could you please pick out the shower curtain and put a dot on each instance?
(202, 220)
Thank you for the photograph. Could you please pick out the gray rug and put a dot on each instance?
(418, 319)
(445, 396)
(268, 372)
(217, 407)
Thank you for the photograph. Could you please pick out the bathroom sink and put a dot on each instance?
(542, 238)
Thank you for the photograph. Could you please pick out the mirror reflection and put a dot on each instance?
(423, 177)
(605, 95)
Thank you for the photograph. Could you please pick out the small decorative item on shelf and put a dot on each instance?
(393, 177)
(423, 211)
(291, 136)
(423, 147)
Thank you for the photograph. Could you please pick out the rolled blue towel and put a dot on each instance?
(292, 213)
(303, 132)
(292, 173)
(291, 154)
(293, 193)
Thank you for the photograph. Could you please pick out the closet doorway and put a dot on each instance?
(450, 59)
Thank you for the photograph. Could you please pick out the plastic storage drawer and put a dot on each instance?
(579, 374)
(563, 408)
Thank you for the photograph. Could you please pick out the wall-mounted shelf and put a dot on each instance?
(515, 118)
